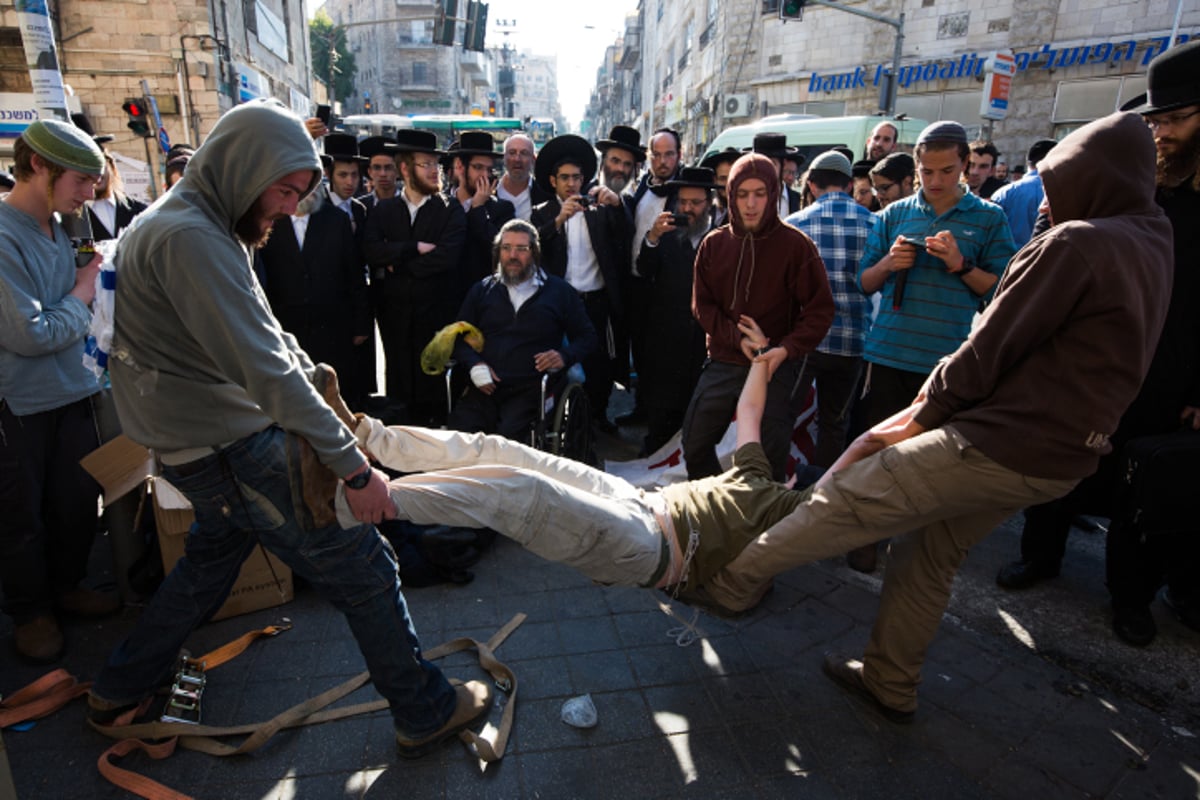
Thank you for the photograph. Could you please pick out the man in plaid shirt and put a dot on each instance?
(839, 227)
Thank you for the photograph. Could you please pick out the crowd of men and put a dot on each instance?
(971, 358)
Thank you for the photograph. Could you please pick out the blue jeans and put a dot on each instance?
(251, 492)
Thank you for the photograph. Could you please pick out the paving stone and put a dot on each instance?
(635, 769)
(601, 672)
(542, 677)
(588, 635)
(656, 665)
(742, 698)
(683, 708)
(562, 773)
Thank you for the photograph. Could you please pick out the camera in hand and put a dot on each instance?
(917, 243)
(583, 200)
(681, 220)
(78, 227)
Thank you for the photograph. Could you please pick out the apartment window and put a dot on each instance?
(770, 7)
(420, 72)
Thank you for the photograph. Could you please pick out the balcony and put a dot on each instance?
(472, 62)
(631, 49)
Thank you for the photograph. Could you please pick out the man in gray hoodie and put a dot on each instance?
(203, 374)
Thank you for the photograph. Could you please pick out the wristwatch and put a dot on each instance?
(967, 269)
(760, 351)
(359, 481)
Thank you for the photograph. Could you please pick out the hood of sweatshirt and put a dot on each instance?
(1104, 169)
(749, 166)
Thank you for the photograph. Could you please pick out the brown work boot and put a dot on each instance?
(325, 381)
(474, 700)
(39, 641)
(848, 673)
(88, 603)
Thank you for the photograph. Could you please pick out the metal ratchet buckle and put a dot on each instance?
(183, 702)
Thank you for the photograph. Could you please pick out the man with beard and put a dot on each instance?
(518, 186)
(882, 142)
(205, 376)
(473, 163)
(1169, 397)
(413, 243)
(720, 163)
(583, 238)
(314, 280)
(621, 155)
(650, 199)
(674, 352)
(112, 210)
(524, 315)
(762, 269)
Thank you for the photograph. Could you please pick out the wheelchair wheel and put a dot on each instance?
(570, 435)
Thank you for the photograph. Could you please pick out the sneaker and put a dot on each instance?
(88, 603)
(39, 641)
(474, 700)
(1134, 624)
(1023, 574)
(847, 673)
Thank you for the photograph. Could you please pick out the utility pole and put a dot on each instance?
(507, 76)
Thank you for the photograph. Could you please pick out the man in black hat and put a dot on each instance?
(1139, 565)
(474, 168)
(381, 170)
(650, 199)
(674, 349)
(720, 163)
(343, 166)
(774, 146)
(583, 237)
(413, 243)
(621, 155)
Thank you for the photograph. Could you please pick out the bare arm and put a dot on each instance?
(753, 398)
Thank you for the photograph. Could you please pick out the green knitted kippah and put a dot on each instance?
(64, 145)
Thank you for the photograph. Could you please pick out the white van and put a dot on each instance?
(814, 135)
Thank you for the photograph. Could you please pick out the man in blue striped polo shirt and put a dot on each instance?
(935, 258)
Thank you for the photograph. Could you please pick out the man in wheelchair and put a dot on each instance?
(533, 324)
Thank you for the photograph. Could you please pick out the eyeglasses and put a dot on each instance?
(576, 178)
(515, 248)
(883, 188)
(427, 165)
(1170, 120)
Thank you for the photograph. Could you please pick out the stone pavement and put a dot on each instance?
(1024, 696)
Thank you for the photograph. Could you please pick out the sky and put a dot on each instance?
(577, 32)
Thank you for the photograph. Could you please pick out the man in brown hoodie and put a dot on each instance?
(1016, 416)
(761, 268)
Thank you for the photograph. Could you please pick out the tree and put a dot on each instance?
(326, 39)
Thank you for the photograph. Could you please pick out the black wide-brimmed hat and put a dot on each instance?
(726, 156)
(410, 140)
(624, 137)
(374, 146)
(342, 147)
(696, 177)
(566, 146)
(84, 124)
(475, 143)
(772, 145)
(1172, 81)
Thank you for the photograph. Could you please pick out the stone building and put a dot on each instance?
(199, 60)
(703, 65)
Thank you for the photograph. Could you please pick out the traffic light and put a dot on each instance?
(443, 28)
(475, 32)
(139, 117)
(491, 108)
(791, 9)
(367, 106)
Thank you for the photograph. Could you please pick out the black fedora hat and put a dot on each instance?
(726, 156)
(1173, 81)
(410, 140)
(566, 146)
(342, 147)
(625, 138)
(84, 124)
(771, 145)
(696, 177)
(475, 143)
(373, 146)
(447, 159)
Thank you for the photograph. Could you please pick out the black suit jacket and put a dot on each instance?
(127, 209)
(609, 236)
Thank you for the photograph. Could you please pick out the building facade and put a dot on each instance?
(702, 65)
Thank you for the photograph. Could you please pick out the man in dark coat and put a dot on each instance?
(413, 243)
(583, 239)
(112, 210)
(774, 146)
(675, 351)
(473, 163)
(316, 285)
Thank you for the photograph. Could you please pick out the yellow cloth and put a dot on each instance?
(437, 353)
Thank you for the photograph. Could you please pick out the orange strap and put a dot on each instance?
(231, 650)
(41, 698)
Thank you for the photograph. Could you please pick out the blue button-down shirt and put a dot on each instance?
(1020, 202)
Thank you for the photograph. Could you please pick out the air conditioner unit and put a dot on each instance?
(736, 105)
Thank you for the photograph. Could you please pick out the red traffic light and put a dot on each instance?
(139, 121)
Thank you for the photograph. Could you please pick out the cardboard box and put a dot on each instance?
(122, 465)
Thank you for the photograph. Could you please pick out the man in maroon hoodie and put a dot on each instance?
(761, 268)
(1016, 416)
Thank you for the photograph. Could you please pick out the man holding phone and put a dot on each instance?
(935, 258)
(475, 179)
